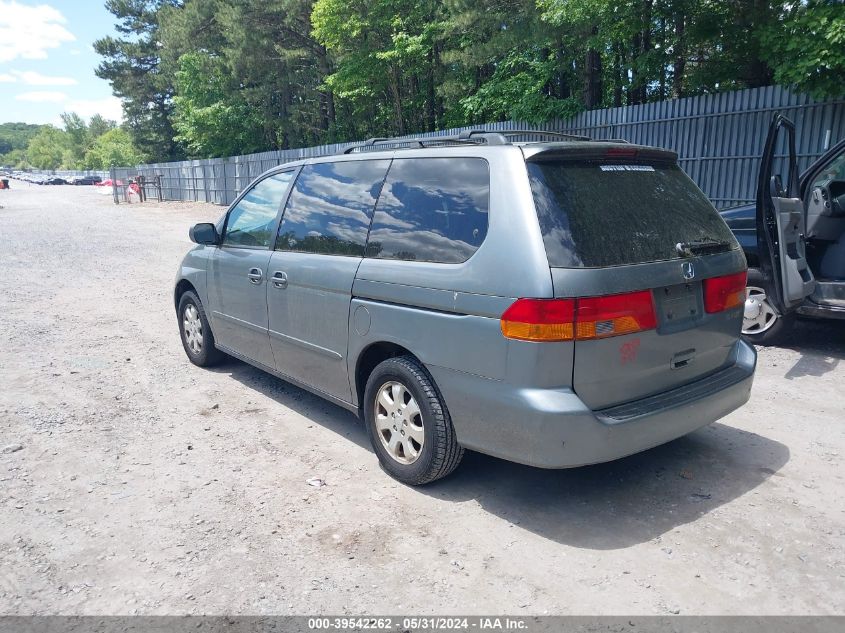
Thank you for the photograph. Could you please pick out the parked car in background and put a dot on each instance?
(54, 180)
(87, 180)
(803, 272)
(470, 292)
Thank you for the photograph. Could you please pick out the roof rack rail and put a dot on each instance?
(574, 137)
(475, 136)
(377, 140)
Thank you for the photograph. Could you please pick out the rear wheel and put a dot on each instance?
(408, 423)
(761, 323)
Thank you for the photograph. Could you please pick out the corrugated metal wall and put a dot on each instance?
(719, 139)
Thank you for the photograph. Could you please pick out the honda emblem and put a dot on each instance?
(688, 270)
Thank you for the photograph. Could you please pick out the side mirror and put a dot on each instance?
(204, 233)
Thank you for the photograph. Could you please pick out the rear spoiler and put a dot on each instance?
(599, 152)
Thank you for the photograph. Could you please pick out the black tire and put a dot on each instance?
(779, 330)
(440, 453)
(207, 354)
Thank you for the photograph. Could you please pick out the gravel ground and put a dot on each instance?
(143, 484)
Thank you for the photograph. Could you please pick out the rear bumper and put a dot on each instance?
(553, 428)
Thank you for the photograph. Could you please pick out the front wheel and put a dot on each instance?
(408, 423)
(761, 323)
(195, 332)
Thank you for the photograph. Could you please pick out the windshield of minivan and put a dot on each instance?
(596, 214)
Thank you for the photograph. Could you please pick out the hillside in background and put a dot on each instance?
(15, 137)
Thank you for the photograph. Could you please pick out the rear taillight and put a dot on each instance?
(540, 320)
(600, 317)
(724, 293)
(582, 319)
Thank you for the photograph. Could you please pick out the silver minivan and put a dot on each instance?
(551, 303)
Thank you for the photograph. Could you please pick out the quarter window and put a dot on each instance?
(251, 221)
(432, 210)
(330, 207)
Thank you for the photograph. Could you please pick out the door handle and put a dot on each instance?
(255, 275)
(280, 279)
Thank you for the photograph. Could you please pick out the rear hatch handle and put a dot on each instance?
(683, 359)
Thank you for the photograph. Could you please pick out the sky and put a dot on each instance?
(47, 60)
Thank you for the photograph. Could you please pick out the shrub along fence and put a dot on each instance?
(719, 139)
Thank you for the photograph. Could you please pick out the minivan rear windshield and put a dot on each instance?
(595, 214)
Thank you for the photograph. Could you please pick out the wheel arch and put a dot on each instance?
(369, 358)
(182, 286)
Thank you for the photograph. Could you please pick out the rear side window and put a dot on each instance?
(251, 221)
(600, 214)
(431, 210)
(330, 207)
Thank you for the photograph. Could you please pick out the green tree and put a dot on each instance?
(220, 77)
(99, 125)
(81, 137)
(132, 64)
(520, 89)
(212, 119)
(76, 131)
(388, 62)
(505, 62)
(47, 149)
(262, 56)
(115, 147)
(807, 47)
(17, 158)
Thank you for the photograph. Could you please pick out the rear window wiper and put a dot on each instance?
(706, 246)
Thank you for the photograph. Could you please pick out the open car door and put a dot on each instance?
(780, 222)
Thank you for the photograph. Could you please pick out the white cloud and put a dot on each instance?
(5, 78)
(41, 96)
(27, 32)
(37, 79)
(109, 108)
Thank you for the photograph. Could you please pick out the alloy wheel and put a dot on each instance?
(399, 422)
(759, 315)
(192, 325)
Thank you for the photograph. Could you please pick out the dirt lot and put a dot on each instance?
(147, 485)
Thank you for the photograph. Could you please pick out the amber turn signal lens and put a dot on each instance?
(582, 319)
(540, 320)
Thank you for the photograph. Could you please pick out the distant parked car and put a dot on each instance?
(796, 265)
(55, 180)
(87, 180)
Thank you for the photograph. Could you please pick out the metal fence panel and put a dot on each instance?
(718, 138)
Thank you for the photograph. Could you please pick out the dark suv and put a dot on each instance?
(794, 240)
(87, 180)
